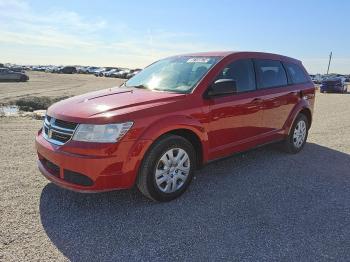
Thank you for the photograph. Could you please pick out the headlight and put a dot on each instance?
(110, 133)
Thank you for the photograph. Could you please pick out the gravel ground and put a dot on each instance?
(258, 206)
(54, 85)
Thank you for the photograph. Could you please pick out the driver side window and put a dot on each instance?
(242, 71)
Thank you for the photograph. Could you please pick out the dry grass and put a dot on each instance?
(54, 86)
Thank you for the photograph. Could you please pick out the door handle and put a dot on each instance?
(257, 100)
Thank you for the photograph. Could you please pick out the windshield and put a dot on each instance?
(175, 74)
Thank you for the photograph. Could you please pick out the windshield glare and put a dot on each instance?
(175, 74)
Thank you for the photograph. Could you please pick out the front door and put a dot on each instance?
(235, 119)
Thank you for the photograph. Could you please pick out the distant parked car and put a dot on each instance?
(82, 69)
(317, 79)
(132, 73)
(335, 84)
(68, 70)
(87, 69)
(57, 69)
(99, 72)
(121, 74)
(8, 75)
(111, 72)
(91, 69)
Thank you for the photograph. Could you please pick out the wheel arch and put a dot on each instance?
(307, 112)
(302, 108)
(184, 126)
(191, 137)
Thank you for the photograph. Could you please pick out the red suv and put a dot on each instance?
(174, 116)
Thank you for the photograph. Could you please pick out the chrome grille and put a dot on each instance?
(57, 131)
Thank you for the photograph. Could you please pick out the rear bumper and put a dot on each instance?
(100, 169)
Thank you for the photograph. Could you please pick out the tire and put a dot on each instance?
(23, 79)
(296, 139)
(173, 182)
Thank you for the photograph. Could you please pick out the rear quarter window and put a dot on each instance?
(296, 73)
(270, 73)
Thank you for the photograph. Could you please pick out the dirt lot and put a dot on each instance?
(259, 206)
(54, 85)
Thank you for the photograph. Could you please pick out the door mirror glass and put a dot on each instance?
(222, 87)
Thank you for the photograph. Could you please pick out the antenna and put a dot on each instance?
(329, 62)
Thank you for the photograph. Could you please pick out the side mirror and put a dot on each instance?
(222, 87)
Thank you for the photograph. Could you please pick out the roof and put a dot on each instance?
(257, 54)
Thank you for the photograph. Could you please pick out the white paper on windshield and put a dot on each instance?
(198, 60)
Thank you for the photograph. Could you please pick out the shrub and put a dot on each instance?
(32, 103)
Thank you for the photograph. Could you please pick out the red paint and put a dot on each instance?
(224, 125)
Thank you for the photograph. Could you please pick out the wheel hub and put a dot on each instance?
(172, 170)
(299, 134)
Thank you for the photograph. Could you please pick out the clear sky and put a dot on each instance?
(135, 33)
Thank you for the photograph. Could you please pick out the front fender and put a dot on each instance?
(159, 128)
(175, 122)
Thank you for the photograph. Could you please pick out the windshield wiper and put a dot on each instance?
(139, 86)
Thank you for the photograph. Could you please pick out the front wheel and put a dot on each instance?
(167, 168)
(298, 135)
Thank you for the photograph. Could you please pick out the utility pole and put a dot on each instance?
(329, 62)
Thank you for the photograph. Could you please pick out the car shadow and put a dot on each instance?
(260, 204)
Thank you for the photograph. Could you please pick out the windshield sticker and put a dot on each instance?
(198, 60)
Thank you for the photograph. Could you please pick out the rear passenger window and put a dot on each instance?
(242, 71)
(296, 73)
(270, 73)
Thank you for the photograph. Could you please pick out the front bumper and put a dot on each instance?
(88, 168)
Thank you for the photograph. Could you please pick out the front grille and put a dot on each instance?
(65, 124)
(58, 131)
(60, 137)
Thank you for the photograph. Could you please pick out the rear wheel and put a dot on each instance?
(167, 168)
(298, 135)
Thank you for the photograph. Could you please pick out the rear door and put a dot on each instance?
(278, 95)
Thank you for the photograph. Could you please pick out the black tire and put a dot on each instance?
(146, 181)
(23, 79)
(289, 143)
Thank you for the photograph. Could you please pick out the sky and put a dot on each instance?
(136, 33)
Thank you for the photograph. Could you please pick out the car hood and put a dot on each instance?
(109, 103)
